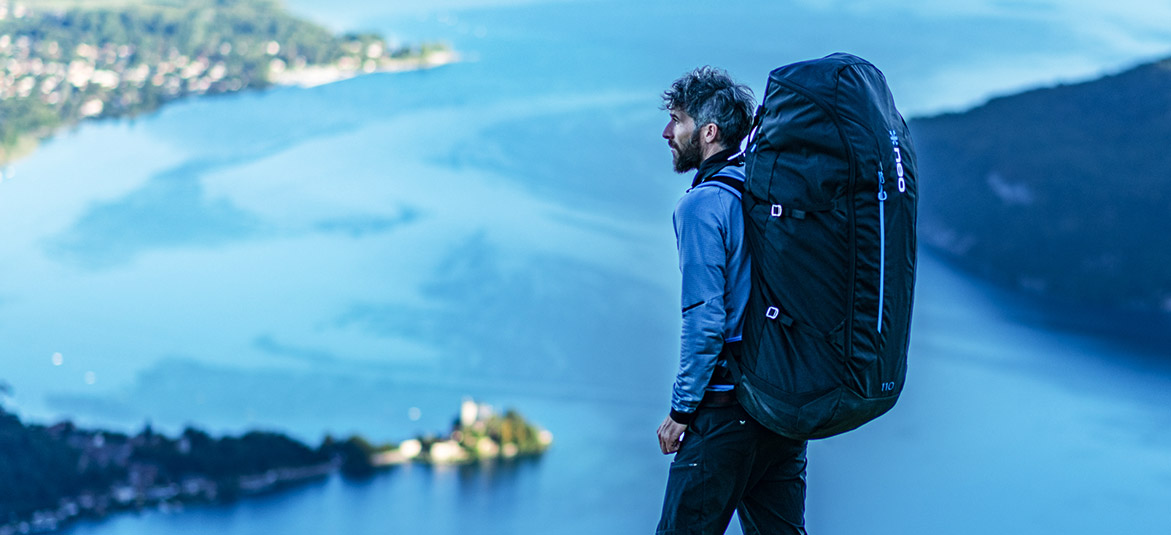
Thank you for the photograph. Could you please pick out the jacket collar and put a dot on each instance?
(713, 164)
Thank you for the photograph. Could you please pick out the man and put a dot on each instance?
(724, 460)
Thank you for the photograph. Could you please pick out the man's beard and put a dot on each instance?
(687, 156)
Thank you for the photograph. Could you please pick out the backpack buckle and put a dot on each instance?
(777, 210)
(772, 313)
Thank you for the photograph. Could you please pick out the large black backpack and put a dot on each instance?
(830, 225)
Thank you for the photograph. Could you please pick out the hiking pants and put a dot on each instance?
(728, 462)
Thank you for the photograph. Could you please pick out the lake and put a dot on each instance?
(358, 257)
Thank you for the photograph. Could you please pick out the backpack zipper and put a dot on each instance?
(881, 243)
(902, 187)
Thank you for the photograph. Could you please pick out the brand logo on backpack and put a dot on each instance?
(888, 387)
(894, 142)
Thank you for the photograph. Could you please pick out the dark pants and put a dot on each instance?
(728, 462)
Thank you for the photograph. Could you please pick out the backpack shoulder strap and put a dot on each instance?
(716, 164)
(735, 184)
(720, 173)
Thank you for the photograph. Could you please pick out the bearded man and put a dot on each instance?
(724, 460)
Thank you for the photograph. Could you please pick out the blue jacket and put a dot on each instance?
(709, 232)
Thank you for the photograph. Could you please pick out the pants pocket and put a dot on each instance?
(683, 506)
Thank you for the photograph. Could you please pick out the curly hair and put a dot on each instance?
(710, 95)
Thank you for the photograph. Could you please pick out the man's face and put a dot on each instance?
(683, 138)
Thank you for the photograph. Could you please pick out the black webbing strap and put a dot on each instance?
(799, 212)
(775, 313)
(729, 355)
(737, 185)
(733, 351)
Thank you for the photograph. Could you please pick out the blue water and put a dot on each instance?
(324, 260)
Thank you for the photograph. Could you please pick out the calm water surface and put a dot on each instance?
(324, 260)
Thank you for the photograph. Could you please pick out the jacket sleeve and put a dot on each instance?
(700, 232)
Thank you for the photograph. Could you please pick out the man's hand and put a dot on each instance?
(670, 433)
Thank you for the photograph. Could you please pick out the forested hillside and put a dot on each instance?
(1061, 192)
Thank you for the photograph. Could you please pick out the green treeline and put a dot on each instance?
(52, 475)
(35, 469)
(62, 471)
(223, 460)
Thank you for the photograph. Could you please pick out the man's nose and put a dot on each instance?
(667, 131)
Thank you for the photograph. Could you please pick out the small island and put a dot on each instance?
(71, 60)
(53, 475)
(478, 434)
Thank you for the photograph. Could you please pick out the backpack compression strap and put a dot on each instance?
(800, 212)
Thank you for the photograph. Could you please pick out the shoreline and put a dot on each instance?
(308, 77)
(305, 78)
(170, 496)
(150, 470)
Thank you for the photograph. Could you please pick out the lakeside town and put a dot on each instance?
(55, 475)
(67, 61)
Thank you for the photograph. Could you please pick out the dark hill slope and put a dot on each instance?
(1062, 191)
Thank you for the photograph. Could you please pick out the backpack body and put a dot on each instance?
(830, 208)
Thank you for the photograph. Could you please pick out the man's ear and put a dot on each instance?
(709, 132)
